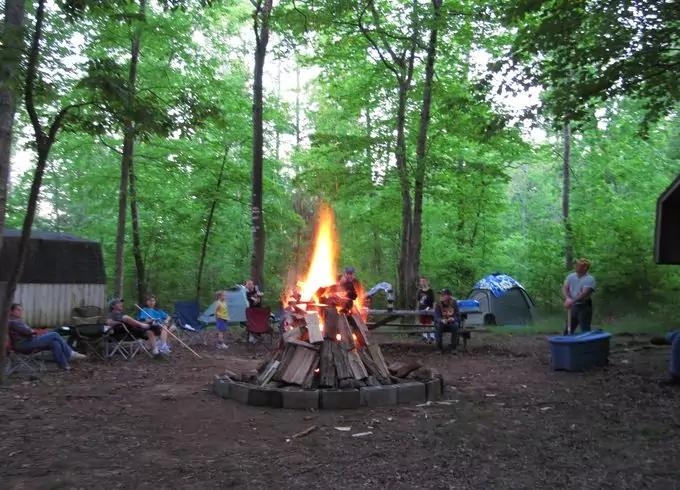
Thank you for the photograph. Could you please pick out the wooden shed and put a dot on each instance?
(61, 272)
(667, 236)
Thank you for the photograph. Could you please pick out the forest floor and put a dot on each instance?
(512, 423)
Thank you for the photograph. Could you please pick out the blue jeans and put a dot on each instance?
(53, 341)
(440, 328)
(674, 338)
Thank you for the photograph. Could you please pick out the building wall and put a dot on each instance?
(51, 305)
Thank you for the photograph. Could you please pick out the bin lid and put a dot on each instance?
(580, 338)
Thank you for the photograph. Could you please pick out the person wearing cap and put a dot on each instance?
(578, 289)
(253, 294)
(117, 319)
(349, 284)
(446, 319)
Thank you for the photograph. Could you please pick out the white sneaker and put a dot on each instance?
(155, 352)
(165, 349)
(77, 356)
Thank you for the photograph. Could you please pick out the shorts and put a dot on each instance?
(137, 332)
(425, 320)
(222, 325)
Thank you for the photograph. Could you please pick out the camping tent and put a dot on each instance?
(503, 301)
(667, 236)
(61, 272)
(237, 302)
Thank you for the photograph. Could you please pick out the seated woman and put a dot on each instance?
(137, 329)
(25, 340)
(150, 314)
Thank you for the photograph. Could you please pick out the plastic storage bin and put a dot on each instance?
(580, 352)
(468, 306)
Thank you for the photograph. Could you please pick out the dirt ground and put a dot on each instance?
(510, 423)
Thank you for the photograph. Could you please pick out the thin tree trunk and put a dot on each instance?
(568, 235)
(136, 242)
(297, 107)
(421, 148)
(44, 144)
(10, 71)
(128, 155)
(404, 272)
(208, 227)
(261, 25)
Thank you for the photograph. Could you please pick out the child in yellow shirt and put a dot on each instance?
(221, 318)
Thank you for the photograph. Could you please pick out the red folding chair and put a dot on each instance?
(258, 326)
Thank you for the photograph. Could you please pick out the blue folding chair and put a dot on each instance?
(189, 321)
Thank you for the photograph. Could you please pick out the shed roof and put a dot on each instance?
(667, 233)
(53, 258)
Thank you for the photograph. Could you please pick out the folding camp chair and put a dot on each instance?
(191, 323)
(125, 344)
(88, 332)
(26, 362)
(258, 325)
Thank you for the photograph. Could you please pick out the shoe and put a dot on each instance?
(155, 352)
(165, 349)
(222, 345)
(77, 356)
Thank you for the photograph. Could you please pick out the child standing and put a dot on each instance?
(221, 318)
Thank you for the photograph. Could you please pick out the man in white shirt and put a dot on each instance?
(577, 290)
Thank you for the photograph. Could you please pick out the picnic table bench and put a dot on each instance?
(390, 317)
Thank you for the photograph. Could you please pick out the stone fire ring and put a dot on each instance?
(329, 399)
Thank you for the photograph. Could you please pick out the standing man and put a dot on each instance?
(253, 294)
(578, 290)
(348, 283)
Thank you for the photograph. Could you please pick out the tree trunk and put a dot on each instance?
(136, 245)
(261, 24)
(297, 107)
(10, 70)
(126, 159)
(405, 277)
(208, 227)
(421, 151)
(568, 235)
(44, 144)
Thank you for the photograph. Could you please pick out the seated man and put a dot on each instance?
(116, 319)
(446, 319)
(150, 314)
(253, 294)
(25, 340)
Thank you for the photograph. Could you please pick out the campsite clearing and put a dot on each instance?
(507, 421)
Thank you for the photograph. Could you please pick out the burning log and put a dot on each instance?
(341, 362)
(330, 319)
(345, 333)
(373, 369)
(312, 375)
(300, 365)
(313, 328)
(364, 332)
(301, 343)
(327, 375)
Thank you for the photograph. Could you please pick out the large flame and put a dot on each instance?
(322, 269)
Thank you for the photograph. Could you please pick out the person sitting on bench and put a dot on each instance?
(150, 314)
(117, 319)
(446, 319)
(25, 340)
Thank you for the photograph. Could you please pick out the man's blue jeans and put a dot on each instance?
(440, 328)
(53, 341)
(674, 339)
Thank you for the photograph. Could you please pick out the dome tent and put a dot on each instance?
(503, 301)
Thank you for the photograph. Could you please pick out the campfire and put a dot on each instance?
(326, 343)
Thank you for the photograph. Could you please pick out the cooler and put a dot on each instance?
(580, 352)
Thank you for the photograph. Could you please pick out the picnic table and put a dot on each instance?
(393, 320)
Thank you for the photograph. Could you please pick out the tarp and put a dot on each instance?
(498, 284)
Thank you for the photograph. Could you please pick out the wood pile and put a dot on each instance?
(327, 349)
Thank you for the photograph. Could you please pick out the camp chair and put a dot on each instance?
(88, 332)
(258, 325)
(191, 323)
(122, 342)
(27, 362)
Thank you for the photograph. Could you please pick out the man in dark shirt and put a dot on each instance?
(117, 319)
(446, 319)
(26, 340)
(253, 294)
(348, 283)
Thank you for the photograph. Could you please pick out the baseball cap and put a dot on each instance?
(114, 301)
(349, 270)
(445, 291)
